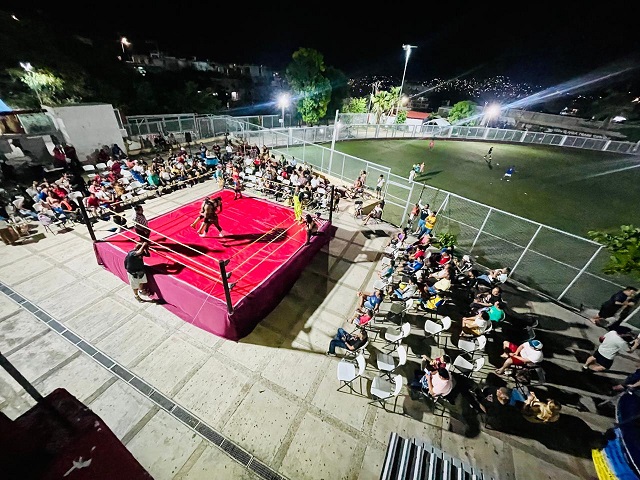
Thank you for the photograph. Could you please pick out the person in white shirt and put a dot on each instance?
(528, 353)
(379, 186)
(611, 344)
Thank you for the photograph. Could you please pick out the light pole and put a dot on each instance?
(31, 79)
(407, 49)
(124, 43)
(283, 102)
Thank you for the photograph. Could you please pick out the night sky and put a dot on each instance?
(538, 43)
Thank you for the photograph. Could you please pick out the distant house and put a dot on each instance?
(416, 118)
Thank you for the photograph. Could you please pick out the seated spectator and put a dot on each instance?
(476, 325)
(386, 273)
(376, 214)
(398, 238)
(437, 383)
(492, 398)
(528, 353)
(612, 343)
(362, 318)
(486, 299)
(405, 290)
(93, 205)
(348, 341)
(494, 277)
(496, 311)
(411, 268)
(536, 411)
(370, 301)
(442, 284)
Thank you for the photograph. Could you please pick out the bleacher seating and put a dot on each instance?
(414, 459)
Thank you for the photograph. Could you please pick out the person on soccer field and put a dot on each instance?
(431, 144)
(488, 154)
(509, 172)
(211, 210)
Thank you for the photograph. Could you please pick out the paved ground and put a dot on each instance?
(190, 405)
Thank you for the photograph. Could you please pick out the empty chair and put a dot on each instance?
(472, 345)
(101, 167)
(384, 388)
(467, 368)
(434, 329)
(394, 336)
(350, 370)
(89, 168)
(388, 364)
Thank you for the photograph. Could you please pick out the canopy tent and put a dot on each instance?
(4, 108)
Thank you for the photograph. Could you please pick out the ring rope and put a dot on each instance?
(166, 236)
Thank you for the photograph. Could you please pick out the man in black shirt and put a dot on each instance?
(348, 341)
(621, 299)
(134, 264)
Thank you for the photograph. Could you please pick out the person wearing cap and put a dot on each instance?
(528, 353)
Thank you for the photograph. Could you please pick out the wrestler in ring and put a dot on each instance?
(210, 212)
(201, 214)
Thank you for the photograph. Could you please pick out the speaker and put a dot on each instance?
(187, 137)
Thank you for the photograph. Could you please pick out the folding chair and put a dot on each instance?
(350, 370)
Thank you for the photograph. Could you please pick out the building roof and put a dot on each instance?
(417, 115)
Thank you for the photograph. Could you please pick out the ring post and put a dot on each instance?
(225, 282)
(333, 188)
(87, 220)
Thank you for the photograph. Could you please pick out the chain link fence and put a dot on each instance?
(561, 265)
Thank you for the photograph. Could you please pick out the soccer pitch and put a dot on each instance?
(567, 188)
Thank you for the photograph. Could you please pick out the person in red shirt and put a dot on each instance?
(59, 158)
(237, 182)
(93, 203)
(61, 195)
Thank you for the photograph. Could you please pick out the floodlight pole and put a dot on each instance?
(407, 49)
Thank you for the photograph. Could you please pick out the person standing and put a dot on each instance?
(311, 227)
(617, 301)
(210, 216)
(379, 186)
(612, 343)
(141, 225)
(237, 184)
(487, 156)
(422, 168)
(412, 174)
(134, 265)
(200, 216)
(430, 222)
(431, 144)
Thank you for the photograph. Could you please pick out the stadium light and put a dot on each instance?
(124, 43)
(491, 112)
(283, 102)
(407, 49)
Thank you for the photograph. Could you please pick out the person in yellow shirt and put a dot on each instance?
(430, 222)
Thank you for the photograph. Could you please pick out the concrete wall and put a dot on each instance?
(87, 128)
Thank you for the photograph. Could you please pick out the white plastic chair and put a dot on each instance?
(434, 329)
(350, 370)
(101, 167)
(388, 364)
(394, 336)
(472, 345)
(383, 389)
(467, 368)
(89, 168)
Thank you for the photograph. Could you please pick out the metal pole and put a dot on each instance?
(87, 220)
(525, 249)
(333, 141)
(333, 188)
(225, 283)
(575, 279)
(18, 377)
(406, 207)
(480, 231)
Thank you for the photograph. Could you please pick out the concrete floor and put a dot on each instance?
(271, 398)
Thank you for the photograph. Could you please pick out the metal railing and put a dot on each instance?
(561, 265)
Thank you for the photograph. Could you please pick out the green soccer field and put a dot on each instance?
(569, 189)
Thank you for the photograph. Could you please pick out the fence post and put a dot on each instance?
(525, 249)
(575, 279)
(480, 231)
(406, 207)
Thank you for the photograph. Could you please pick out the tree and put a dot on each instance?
(355, 105)
(383, 102)
(462, 111)
(44, 84)
(312, 89)
(401, 117)
(624, 247)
